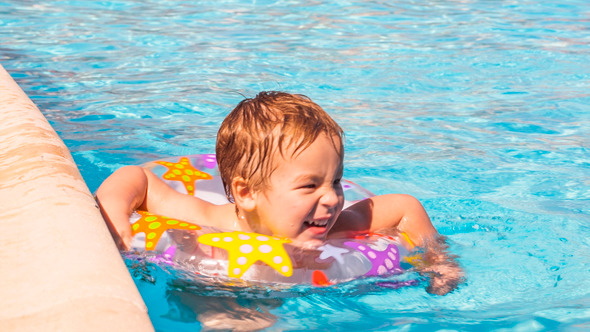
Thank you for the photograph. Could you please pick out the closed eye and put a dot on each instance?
(309, 186)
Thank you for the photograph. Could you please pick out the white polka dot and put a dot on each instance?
(285, 269)
(262, 238)
(242, 260)
(243, 237)
(393, 250)
(215, 239)
(265, 248)
(228, 239)
(246, 248)
(237, 271)
(362, 248)
(277, 259)
(372, 254)
(381, 269)
(388, 263)
(391, 255)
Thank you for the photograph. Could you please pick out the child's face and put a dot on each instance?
(304, 196)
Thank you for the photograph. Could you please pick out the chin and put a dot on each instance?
(309, 242)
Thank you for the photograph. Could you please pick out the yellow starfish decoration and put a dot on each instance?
(185, 172)
(154, 226)
(245, 249)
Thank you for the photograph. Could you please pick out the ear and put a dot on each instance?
(244, 196)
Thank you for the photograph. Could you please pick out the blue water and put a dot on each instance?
(481, 109)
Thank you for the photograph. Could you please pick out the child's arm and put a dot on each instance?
(131, 188)
(394, 211)
(441, 267)
(118, 196)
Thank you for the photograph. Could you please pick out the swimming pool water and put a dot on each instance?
(478, 108)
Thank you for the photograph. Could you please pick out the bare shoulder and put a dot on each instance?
(164, 200)
(196, 210)
(356, 218)
(392, 211)
(376, 212)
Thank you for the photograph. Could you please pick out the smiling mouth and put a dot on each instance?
(317, 223)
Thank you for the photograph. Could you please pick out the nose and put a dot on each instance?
(331, 197)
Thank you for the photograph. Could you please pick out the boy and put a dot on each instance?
(280, 158)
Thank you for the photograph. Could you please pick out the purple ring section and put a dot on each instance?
(384, 262)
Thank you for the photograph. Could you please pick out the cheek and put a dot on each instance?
(296, 208)
(340, 194)
(294, 212)
(286, 207)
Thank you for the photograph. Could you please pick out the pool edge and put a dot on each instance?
(60, 269)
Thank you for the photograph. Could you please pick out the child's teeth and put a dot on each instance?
(317, 223)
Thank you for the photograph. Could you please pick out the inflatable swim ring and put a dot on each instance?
(250, 256)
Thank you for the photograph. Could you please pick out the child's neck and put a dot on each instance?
(241, 224)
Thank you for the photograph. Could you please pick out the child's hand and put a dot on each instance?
(121, 230)
(442, 269)
(444, 278)
(118, 196)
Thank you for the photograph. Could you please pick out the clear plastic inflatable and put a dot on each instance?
(214, 252)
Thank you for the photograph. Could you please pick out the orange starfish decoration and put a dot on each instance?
(185, 172)
(154, 226)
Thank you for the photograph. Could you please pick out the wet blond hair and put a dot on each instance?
(252, 134)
